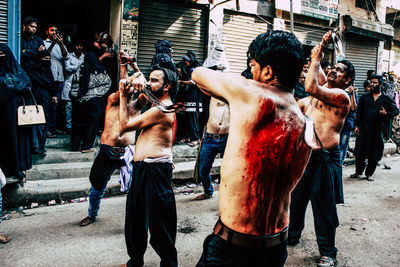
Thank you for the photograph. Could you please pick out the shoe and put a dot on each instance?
(386, 166)
(369, 178)
(194, 143)
(89, 150)
(51, 135)
(203, 197)
(292, 241)
(326, 261)
(354, 175)
(88, 220)
(57, 132)
(4, 239)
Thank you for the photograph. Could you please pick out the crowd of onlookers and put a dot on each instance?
(71, 79)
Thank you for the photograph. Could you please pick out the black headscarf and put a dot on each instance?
(13, 79)
(191, 57)
(91, 65)
(163, 56)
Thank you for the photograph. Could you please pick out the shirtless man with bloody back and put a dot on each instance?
(265, 155)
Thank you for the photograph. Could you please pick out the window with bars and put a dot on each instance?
(366, 4)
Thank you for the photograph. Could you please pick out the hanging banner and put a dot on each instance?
(129, 27)
(131, 10)
(322, 9)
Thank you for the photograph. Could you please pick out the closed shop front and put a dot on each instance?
(3, 21)
(362, 53)
(309, 37)
(185, 25)
(239, 30)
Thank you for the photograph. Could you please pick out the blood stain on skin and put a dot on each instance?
(273, 167)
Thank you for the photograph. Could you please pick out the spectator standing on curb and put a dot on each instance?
(15, 141)
(374, 107)
(72, 64)
(35, 60)
(189, 123)
(94, 85)
(58, 53)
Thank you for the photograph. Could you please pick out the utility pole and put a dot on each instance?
(291, 17)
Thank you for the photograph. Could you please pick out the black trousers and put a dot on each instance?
(84, 134)
(150, 206)
(360, 166)
(217, 252)
(320, 184)
(105, 163)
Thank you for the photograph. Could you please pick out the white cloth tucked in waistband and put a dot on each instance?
(163, 159)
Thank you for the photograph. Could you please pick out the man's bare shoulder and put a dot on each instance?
(113, 99)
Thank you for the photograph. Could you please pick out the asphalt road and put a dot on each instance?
(368, 235)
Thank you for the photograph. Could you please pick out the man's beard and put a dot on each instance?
(375, 89)
(159, 92)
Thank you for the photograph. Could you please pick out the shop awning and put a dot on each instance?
(365, 27)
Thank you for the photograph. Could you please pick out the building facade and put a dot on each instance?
(370, 28)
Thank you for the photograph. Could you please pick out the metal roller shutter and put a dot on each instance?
(362, 53)
(184, 25)
(3, 21)
(239, 30)
(307, 35)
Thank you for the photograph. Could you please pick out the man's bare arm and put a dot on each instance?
(332, 96)
(151, 117)
(222, 86)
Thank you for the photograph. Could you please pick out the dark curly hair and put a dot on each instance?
(282, 51)
(29, 20)
(350, 71)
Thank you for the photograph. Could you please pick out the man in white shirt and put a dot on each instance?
(54, 44)
(72, 63)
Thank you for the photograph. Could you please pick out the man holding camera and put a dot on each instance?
(55, 45)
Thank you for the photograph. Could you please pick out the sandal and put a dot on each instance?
(182, 141)
(88, 220)
(326, 261)
(354, 175)
(4, 239)
(194, 143)
(203, 197)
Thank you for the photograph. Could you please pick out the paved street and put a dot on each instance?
(369, 234)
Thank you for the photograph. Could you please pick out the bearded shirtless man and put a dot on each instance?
(214, 142)
(150, 204)
(321, 183)
(265, 155)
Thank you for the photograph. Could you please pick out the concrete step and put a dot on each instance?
(183, 170)
(43, 191)
(62, 155)
(64, 141)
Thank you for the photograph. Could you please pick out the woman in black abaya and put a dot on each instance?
(86, 112)
(15, 142)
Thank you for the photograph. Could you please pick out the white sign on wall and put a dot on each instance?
(322, 9)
